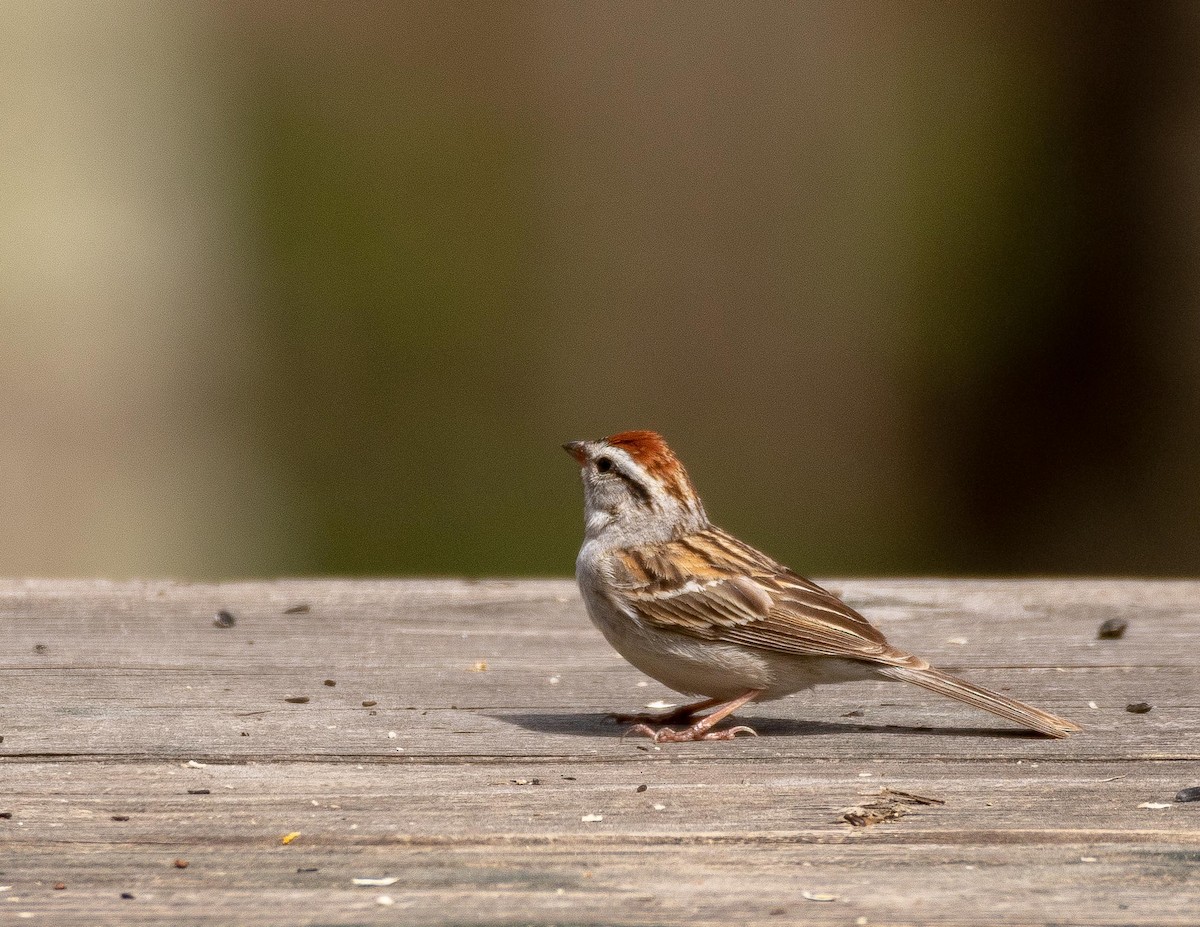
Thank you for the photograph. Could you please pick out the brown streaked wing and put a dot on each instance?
(712, 585)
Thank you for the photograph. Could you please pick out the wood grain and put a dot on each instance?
(123, 700)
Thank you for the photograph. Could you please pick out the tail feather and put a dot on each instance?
(944, 684)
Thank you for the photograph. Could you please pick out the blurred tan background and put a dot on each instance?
(320, 288)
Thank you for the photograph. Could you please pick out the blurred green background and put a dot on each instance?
(318, 288)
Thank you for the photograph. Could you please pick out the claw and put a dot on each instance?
(690, 734)
(732, 732)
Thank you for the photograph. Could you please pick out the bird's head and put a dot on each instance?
(635, 489)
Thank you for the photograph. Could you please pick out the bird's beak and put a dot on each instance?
(577, 450)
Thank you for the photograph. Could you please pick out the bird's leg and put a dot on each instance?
(702, 729)
(682, 713)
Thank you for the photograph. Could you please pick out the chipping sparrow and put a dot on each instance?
(708, 615)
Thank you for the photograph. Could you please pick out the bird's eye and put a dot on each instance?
(603, 464)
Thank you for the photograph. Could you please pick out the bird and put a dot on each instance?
(709, 616)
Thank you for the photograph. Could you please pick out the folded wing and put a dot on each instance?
(711, 585)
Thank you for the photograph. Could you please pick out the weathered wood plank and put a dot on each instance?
(133, 681)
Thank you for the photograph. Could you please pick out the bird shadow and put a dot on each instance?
(587, 724)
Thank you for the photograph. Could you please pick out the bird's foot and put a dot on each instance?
(698, 731)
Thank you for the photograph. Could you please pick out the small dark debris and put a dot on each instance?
(6, 815)
(331, 682)
(297, 699)
(59, 886)
(891, 805)
(1139, 708)
(297, 610)
(41, 648)
(1112, 629)
(643, 749)
(224, 619)
(244, 734)
(199, 791)
(127, 896)
(641, 788)
(1189, 794)
(775, 912)
(372, 712)
(181, 864)
(120, 817)
(857, 713)
(308, 869)
(369, 704)
(872, 813)
(569, 778)
(909, 798)
(1, 738)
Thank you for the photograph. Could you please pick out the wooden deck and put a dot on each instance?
(453, 738)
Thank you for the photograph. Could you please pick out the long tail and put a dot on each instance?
(944, 684)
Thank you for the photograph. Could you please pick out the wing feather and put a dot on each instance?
(718, 588)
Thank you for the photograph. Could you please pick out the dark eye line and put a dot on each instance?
(635, 486)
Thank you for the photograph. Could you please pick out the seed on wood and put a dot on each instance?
(641, 788)
(120, 817)
(1189, 794)
(199, 792)
(297, 699)
(128, 896)
(296, 610)
(1138, 708)
(308, 869)
(224, 619)
(369, 704)
(181, 864)
(1112, 629)
(331, 682)
(41, 648)
(59, 886)
(569, 778)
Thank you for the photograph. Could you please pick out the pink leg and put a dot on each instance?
(702, 729)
